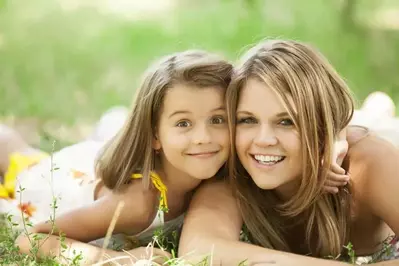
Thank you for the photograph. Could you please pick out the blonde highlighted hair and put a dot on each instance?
(321, 106)
(131, 151)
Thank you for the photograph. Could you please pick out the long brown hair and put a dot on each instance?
(131, 151)
(322, 107)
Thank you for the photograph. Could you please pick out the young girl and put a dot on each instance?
(287, 105)
(175, 136)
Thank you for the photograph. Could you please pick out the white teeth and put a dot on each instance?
(267, 159)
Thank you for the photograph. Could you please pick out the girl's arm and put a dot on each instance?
(212, 227)
(50, 245)
(91, 222)
(91, 254)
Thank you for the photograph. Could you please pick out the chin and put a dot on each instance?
(266, 186)
(204, 176)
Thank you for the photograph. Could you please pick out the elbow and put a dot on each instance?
(23, 243)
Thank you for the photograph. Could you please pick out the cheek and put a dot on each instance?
(224, 138)
(242, 141)
(293, 147)
(296, 144)
(172, 140)
(291, 141)
(220, 136)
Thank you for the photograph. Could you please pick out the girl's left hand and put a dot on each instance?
(337, 177)
(143, 255)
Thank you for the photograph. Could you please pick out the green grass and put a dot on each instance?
(9, 253)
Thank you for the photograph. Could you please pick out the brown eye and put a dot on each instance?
(218, 120)
(183, 124)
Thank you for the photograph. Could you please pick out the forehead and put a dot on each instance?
(192, 98)
(257, 96)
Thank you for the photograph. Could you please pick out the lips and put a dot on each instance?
(202, 154)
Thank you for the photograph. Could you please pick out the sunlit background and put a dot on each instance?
(64, 62)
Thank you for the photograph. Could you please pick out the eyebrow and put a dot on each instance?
(244, 112)
(282, 114)
(188, 112)
(178, 113)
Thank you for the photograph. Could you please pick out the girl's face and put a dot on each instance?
(267, 142)
(193, 135)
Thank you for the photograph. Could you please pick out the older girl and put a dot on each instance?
(287, 106)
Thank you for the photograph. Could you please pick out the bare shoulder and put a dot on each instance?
(374, 168)
(212, 190)
(370, 150)
(138, 206)
(213, 211)
(214, 200)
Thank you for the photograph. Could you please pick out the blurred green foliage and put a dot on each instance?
(74, 64)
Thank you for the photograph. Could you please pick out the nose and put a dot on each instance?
(265, 136)
(201, 134)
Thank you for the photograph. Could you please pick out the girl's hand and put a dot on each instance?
(146, 254)
(337, 176)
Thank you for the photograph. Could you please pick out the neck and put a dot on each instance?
(287, 191)
(177, 182)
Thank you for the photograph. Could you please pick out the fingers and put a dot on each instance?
(333, 186)
(162, 253)
(332, 190)
(338, 178)
(337, 184)
(148, 254)
(160, 256)
(337, 169)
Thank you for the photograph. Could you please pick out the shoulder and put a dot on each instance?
(134, 194)
(374, 168)
(214, 202)
(373, 163)
(215, 188)
(137, 206)
(214, 195)
(371, 151)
